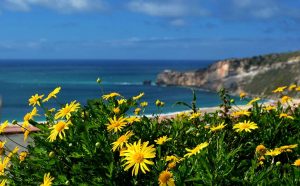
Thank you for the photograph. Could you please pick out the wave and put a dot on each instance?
(122, 83)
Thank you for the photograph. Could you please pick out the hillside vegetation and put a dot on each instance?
(257, 75)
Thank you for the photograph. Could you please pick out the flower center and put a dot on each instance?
(245, 126)
(66, 110)
(122, 138)
(60, 126)
(164, 178)
(116, 124)
(138, 157)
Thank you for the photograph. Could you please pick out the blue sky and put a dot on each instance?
(147, 29)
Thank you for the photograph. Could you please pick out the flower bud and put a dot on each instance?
(278, 163)
(70, 144)
(51, 154)
(116, 110)
(97, 144)
(99, 80)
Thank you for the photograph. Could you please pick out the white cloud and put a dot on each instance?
(257, 8)
(177, 22)
(16, 45)
(242, 3)
(266, 12)
(60, 5)
(167, 8)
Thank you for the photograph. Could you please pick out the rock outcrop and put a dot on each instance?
(258, 75)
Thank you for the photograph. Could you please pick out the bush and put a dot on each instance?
(104, 143)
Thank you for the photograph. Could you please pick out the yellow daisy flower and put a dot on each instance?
(116, 124)
(136, 155)
(137, 111)
(144, 104)
(274, 152)
(172, 165)
(2, 143)
(110, 95)
(122, 140)
(33, 112)
(3, 165)
(240, 113)
(195, 115)
(292, 87)
(269, 107)
(287, 148)
(116, 110)
(25, 125)
(67, 110)
(285, 99)
(218, 127)
(3, 126)
(172, 158)
(162, 140)
(35, 100)
(52, 94)
(246, 126)
(195, 150)
(253, 101)
(138, 96)
(159, 103)
(242, 95)
(279, 89)
(261, 149)
(181, 115)
(284, 115)
(22, 156)
(47, 180)
(29, 116)
(297, 163)
(133, 119)
(166, 179)
(58, 130)
(26, 133)
(121, 101)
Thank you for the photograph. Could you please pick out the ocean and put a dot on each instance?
(19, 79)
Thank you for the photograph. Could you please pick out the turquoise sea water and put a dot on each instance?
(19, 79)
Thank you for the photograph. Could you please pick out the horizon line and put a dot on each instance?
(101, 59)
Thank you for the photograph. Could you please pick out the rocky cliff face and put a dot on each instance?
(257, 75)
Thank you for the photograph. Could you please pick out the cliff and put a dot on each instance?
(257, 75)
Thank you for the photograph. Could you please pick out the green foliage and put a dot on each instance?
(264, 83)
(85, 157)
